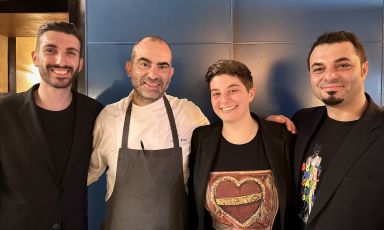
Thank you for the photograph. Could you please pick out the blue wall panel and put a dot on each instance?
(181, 21)
(298, 20)
(272, 37)
(281, 77)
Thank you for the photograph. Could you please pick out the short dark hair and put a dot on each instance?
(152, 38)
(338, 37)
(58, 26)
(232, 68)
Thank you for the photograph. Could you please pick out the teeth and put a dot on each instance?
(60, 71)
(228, 108)
(152, 84)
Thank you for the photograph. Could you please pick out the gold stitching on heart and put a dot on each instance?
(246, 199)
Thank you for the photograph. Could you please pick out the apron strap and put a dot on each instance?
(171, 118)
(124, 140)
(172, 122)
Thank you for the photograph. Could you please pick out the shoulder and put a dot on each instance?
(308, 113)
(88, 103)
(12, 101)
(311, 110)
(116, 109)
(182, 104)
(271, 128)
(206, 130)
(187, 112)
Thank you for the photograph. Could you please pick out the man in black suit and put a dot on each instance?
(339, 148)
(46, 140)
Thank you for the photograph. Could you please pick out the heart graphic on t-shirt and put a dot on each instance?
(241, 200)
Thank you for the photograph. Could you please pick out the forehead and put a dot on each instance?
(224, 81)
(155, 51)
(332, 52)
(59, 39)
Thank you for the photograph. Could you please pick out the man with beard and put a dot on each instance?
(339, 146)
(144, 140)
(46, 140)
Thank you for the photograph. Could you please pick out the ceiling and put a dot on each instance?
(21, 18)
(26, 24)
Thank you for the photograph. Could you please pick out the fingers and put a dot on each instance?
(283, 120)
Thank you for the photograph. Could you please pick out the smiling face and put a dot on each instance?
(337, 74)
(229, 97)
(150, 70)
(58, 58)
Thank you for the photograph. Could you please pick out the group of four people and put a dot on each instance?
(168, 169)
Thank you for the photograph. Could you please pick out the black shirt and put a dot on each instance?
(59, 128)
(319, 154)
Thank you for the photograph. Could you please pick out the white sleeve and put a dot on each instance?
(98, 163)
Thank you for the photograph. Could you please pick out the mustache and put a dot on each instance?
(324, 83)
(150, 80)
(61, 67)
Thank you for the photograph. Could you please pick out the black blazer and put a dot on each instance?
(31, 195)
(351, 192)
(205, 140)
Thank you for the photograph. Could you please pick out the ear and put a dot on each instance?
(81, 64)
(35, 58)
(251, 94)
(172, 72)
(364, 70)
(128, 68)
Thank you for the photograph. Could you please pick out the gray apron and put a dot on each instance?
(149, 190)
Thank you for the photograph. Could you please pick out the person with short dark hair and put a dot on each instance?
(339, 146)
(240, 168)
(46, 140)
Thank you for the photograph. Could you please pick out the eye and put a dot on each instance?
(71, 53)
(215, 94)
(49, 50)
(318, 69)
(233, 90)
(163, 67)
(144, 64)
(344, 66)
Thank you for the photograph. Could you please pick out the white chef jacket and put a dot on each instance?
(149, 124)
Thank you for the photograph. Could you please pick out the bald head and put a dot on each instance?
(149, 41)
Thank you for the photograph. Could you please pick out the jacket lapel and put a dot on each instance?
(77, 136)
(274, 143)
(30, 118)
(208, 148)
(302, 141)
(355, 144)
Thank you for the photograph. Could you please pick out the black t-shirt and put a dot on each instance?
(244, 157)
(243, 164)
(59, 128)
(320, 152)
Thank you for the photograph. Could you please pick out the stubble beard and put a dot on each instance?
(60, 83)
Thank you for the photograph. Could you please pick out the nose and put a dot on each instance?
(330, 75)
(61, 59)
(223, 98)
(153, 72)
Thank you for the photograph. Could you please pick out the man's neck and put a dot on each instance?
(348, 112)
(53, 99)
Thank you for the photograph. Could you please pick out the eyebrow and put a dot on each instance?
(149, 61)
(230, 86)
(342, 59)
(336, 61)
(56, 47)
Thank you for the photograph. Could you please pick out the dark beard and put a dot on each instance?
(331, 100)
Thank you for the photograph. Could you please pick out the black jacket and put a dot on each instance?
(205, 140)
(31, 195)
(351, 191)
